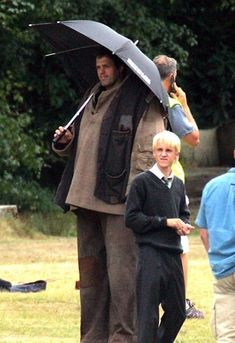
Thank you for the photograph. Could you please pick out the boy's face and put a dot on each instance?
(165, 156)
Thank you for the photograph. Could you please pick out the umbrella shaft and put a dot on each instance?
(78, 112)
(57, 138)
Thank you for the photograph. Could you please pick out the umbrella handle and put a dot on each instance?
(57, 138)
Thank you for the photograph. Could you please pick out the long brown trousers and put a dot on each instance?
(107, 266)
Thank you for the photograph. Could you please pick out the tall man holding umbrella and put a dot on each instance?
(105, 150)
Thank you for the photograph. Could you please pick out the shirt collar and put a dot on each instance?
(157, 172)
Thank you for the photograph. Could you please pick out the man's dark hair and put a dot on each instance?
(106, 52)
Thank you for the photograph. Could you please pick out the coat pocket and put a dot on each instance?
(118, 160)
(117, 155)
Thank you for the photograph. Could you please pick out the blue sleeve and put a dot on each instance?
(201, 216)
(179, 122)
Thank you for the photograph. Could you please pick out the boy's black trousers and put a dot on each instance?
(160, 280)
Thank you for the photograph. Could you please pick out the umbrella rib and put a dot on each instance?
(70, 50)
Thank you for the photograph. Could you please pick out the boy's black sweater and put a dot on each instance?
(149, 204)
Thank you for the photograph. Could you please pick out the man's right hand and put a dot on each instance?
(179, 95)
(66, 135)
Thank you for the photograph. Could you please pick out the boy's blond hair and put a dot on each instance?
(169, 138)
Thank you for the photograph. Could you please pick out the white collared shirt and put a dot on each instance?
(157, 172)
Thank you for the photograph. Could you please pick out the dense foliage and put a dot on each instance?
(36, 95)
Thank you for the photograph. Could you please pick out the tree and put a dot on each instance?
(27, 100)
(36, 95)
(210, 74)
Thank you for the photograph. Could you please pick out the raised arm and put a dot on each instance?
(192, 138)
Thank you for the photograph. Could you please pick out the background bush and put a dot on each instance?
(36, 95)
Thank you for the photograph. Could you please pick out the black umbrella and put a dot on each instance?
(77, 43)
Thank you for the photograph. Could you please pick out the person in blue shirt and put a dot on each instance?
(183, 124)
(216, 220)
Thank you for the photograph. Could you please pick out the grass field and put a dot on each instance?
(53, 315)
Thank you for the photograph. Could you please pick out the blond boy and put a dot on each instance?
(157, 213)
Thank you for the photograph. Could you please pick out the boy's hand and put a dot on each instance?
(185, 231)
(181, 227)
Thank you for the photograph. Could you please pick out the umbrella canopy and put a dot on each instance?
(78, 41)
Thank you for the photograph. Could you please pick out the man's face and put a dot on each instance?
(107, 72)
(165, 156)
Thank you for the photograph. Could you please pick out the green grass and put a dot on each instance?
(200, 290)
(53, 315)
(54, 223)
(47, 316)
